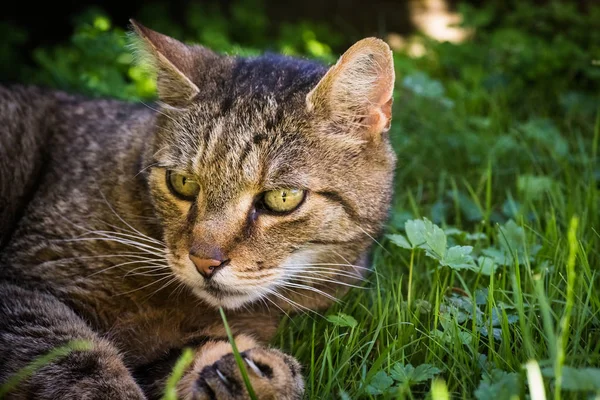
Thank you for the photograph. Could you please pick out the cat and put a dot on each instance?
(253, 184)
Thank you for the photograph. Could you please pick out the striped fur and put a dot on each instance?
(95, 246)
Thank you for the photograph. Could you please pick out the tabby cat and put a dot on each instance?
(254, 184)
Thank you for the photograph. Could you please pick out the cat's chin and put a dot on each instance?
(230, 301)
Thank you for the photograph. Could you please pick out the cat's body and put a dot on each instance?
(54, 251)
(91, 234)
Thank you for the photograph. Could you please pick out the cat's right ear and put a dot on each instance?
(176, 64)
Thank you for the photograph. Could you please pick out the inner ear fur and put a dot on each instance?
(358, 90)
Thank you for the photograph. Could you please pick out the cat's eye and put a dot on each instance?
(283, 200)
(182, 185)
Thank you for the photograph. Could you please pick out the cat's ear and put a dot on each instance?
(357, 91)
(176, 64)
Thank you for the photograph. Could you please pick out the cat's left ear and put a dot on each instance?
(177, 65)
(356, 93)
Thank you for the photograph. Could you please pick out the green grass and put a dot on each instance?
(497, 141)
(414, 311)
(523, 181)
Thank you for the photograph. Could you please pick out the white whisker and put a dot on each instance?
(149, 270)
(330, 264)
(373, 239)
(302, 277)
(143, 287)
(144, 248)
(310, 288)
(291, 302)
(330, 272)
(116, 266)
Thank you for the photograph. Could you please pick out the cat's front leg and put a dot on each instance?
(216, 375)
(35, 324)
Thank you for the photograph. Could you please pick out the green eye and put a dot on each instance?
(283, 200)
(182, 185)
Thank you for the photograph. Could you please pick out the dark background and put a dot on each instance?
(51, 22)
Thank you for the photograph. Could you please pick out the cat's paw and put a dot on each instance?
(272, 374)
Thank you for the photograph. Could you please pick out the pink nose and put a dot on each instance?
(207, 266)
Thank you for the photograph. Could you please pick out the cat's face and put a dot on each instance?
(256, 168)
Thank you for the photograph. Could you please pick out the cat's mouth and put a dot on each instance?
(219, 290)
(220, 296)
(224, 288)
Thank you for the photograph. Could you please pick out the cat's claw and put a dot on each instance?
(253, 366)
(272, 374)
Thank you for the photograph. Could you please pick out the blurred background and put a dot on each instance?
(513, 84)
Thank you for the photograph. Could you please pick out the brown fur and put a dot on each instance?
(100, 247)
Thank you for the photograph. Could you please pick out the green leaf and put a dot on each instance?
(514, 245)
(415, 230)
(577, 379)
(535, 187)
(436, 239)
(476, 236)
(422, 85)
(402, 373)
(342, 320)
(454, 232)
(498, 256)
(511, 237)
(481, 296)
(408, 375)
(400, 240)
(459, 257)
(380, 383)
(425, 234)
(486, 265)
(498, 385)
(425, 372)
(468, 207)
(344, 395)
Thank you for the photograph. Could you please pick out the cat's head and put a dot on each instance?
(271, 175)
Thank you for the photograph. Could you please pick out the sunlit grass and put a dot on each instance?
(545, 305)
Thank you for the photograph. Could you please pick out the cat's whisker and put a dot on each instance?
(143, 287)
(374, 240)
(170, 282)
(139, 246)
(136, 232)
(119, 217)
(366, 269)
(333, 278)
(151, 274)
(131, 231)
(116, 266)
(342, 257)
(304, 310)
(109, 233)
(310, 288)
(148, 269)
(136, 255)
(311, 278)
(178, 289)
(127, 229)
(330, 272)
(330, 264)
(290, 302)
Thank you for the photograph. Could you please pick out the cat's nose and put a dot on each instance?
(207, 267)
